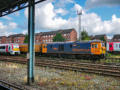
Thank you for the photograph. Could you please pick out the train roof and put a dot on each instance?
(74, 42)
(9, 44)
(69, 42)
(113, 42)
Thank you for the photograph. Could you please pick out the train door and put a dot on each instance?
(44, 48)
(61, 47)
(6, 48)
(111, 46)
(9, 48)
(95, 48)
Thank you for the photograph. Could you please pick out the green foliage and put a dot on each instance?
(58, 38)
(84, 35)
(102, 38)
(26, 39)
(108, 55)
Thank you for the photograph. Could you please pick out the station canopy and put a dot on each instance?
(10, 6)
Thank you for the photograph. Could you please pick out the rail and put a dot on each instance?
(11, 86)
(111, 70)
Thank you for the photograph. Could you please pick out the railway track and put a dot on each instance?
(111, 70)
(11, 86)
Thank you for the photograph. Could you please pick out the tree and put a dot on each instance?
(58, 38)
(26, 39)
(102, 38)
(84, 35)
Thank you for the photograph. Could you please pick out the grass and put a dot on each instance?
(113, 55)
(56, 79)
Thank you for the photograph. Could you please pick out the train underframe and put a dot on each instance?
(76, 56)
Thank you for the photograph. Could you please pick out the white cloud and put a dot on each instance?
(47, 19)
(61, 11)
(96, 3)
(7, 29)
(109, 36)
(95, 25)
(77, 7)
(12, 25)
(25, 32)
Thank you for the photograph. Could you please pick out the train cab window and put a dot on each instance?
(93, 45)
(96, 46)
(15, 46)
(103, 45)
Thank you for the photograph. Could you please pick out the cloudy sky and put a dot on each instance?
(98, 17)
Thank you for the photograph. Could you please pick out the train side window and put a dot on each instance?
(61, 47)
(78, 46)
(51, 46)
(110, 46)
(9, 48)
(119, 45)
(2, 47)
(116, 45)
(70, 45)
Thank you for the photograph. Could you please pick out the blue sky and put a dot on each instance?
(99, 17)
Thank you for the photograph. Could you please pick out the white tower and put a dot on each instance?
(79, 13)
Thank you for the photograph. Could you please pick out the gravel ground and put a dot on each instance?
(55, 79)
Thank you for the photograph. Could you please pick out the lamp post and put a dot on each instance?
(79, 13)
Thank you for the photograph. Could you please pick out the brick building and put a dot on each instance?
(99, 37)
(116, 38)
(3, 39)
(38, 37)
(16, 38)
(68, 34)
